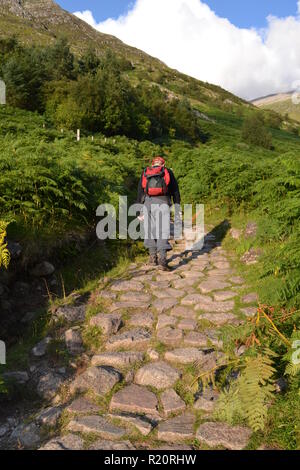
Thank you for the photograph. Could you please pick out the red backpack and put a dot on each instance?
(155, 181)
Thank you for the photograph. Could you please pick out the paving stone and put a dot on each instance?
(251, 256)
(250, 298)
(100, 380)
(159, 285)
(184, 355)
(71, 314)
(187, 324)
(198, 340)
(237, 280)
(222, 264)
(110, 445)
(211, 361)
(119, 286)
(135, 399)
(107, 294)
(82, 405)
(117, 359)
(49, 416)
(169, 293)
(184, 283)
(97, 425)
(129, 339)
(194, 275)
(193, 299)
(73, 341)
(221, 434)
(173, 447)
(49, 384)
(142, 319)
(183, 312)
(218, 319)
(158, 374)
(224, 295)
(207, 401)
(135, 297)
(68, 442)
(141, 423)
(128, 305)
(209, 305)
(249, 311)
(212, 285)
(167, 276)
(161, 305)
(41, 348)
(153, 355)
(171, 402)
(169, 335)
(165, 320)
(176, 429)
(109, 323)
(26, 435)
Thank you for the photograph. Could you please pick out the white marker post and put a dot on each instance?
(2, 92)
(78, 135)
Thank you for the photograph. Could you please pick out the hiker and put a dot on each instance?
(157, 188)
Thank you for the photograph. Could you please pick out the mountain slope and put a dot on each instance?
(281, 103)
(43, 21)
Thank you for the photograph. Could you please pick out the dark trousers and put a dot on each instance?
(157, 225)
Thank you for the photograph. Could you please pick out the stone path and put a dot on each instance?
(155, 325)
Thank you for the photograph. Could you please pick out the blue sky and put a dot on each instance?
(242, 13)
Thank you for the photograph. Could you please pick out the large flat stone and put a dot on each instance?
(161, 305)
(142, 424)
(117, 359)
(82, 406)
(97, 425)
(184, 283)
(187, 324)
(158, 374)
(68, 442)
(128, 305)
(110, 445)
(207, 401)
(109, 323)
(100, 380)
(169, 293)
(169, 335)
(221, 434)
(142, 319)
(224, 295)
(195, 339)
(131, 339)
(135, 399)
(74, 341)
(218, 319)
(209, 305)
(184, 355)
(165, 320)
(132, 285)
(49, 384)
(135, 297)
(171, 402)
(183, 312)
(176, 429)
(212, 285)
(193, 299)
(71, 314)
(49, 416)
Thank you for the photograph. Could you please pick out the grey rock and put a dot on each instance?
(251, 256)
(187, 324)
(109, 323)
(15, 249)
(117, 359)
(95, 424)
(82, 406)
(161, 305)
(224, 295)
(68, 442)
(49, 416)
(43, 269)
(235, 233)
(142, 319)
(100, 380)
(110, 445)
(212, 285)
(165, 320)
(207, 401)
(19, 377)
(41, 348)
(129, 304)
(135, 297)
(135, 399)
(48, 385)
(169, 335)
(251, 230)
(129, 339)
(131, 285)
(153, 355)
(142, 424)
(218, 319)
(193, 299)
(171, 402)
(169, 293)
(26, 435)
(71, 314)
(4, 428)
(176, 429)
(184, 355)
(183, 312)
(195, 339)
(221, 434)
(74, 341)
(159, 375)
(209, 305)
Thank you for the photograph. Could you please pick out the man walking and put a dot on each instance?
(157, 188)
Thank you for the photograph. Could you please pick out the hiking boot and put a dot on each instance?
(163, 264)
(152, 259)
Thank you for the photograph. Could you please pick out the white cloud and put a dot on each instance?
(189, 36)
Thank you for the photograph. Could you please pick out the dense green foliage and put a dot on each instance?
(254, 131)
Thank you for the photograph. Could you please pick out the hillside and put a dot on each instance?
(281, 103)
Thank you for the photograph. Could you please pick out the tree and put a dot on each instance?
(254, 131)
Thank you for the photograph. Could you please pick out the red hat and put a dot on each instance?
(158, 161)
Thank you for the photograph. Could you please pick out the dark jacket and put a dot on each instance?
(173, 190)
